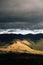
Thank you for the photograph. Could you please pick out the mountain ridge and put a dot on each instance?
(10, 37)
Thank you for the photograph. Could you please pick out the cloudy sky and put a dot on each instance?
(21, 14)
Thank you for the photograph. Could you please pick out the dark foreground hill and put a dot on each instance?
(23, 58)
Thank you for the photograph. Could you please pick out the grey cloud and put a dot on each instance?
(23, 13)
(21, 25)
(38, 25)
(21, 6)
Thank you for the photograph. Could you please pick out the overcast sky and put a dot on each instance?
(21, 14)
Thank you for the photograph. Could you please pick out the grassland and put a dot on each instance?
(24, 46)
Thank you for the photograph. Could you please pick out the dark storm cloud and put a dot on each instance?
(22, 25)
(23, 13)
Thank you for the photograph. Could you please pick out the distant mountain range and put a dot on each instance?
(10, 37)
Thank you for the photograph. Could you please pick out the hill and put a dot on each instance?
(20, 46)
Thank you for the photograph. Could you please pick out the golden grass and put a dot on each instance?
(21, 46)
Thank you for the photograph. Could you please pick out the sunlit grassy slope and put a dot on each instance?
(37, 45)
(24, 46)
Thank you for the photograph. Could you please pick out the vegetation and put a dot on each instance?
(38, 45)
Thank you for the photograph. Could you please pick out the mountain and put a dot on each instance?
(10, 37)
(20, 46)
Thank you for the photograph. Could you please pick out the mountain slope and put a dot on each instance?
(21, 46)
(37, 45)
